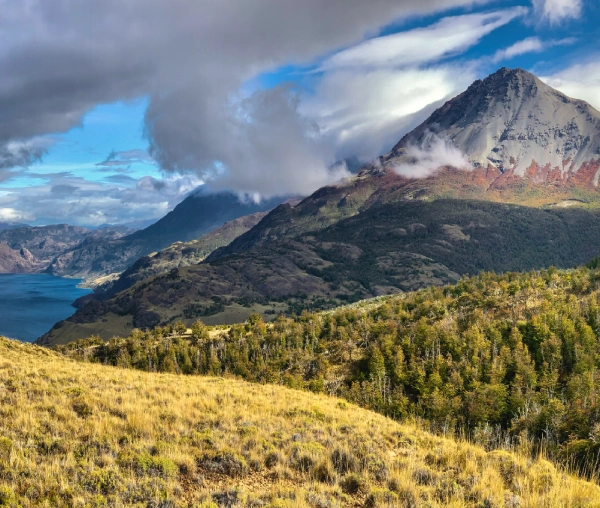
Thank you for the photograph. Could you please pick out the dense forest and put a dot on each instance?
(512, 358)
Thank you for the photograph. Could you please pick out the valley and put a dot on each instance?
(299, 254)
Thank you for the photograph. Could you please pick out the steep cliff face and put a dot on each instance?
(515, 123)
(14, 261)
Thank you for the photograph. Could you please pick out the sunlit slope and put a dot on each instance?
(74, 434)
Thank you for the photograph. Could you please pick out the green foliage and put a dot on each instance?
(518, 353)
(7, 496)
(6, 445)
(147, 464)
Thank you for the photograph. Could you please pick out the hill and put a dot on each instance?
(178, 255)
(503, 358)
(74, 434)
(521, 142)
(386, 249)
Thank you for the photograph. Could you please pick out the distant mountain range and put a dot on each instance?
(481, 185)
(177, 255)
(11, 225)
(73, 251)
(31, 249)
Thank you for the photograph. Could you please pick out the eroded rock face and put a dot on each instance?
(515, 123)
(14, 261)
(32, 249)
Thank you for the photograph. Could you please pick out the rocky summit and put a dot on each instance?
(513, 125)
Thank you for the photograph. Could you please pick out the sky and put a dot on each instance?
(112, 111)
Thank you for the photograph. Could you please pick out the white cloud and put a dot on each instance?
(556, 11)
(10, 214)
(447, 37)
(63, 197)
(432, 155)
(529, 45)
(580, 81)
(372, 93)
(367, 112)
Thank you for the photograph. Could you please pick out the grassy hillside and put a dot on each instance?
(82, 435)
(385, 249)
(503, 357)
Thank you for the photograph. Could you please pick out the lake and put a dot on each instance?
(30, 304)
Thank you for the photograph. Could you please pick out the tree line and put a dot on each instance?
(509, 357)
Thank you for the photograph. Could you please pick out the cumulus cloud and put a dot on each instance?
(529, 45)
(430, 156)
(60, 58)
(23, 153)
(556, 11)
(581, 81)
(261, 145)
(10, 214)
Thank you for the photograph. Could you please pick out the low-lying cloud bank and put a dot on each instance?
(432, 154)
(65, 198)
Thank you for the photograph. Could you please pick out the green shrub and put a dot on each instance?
(353, 484)
(381, 498)
(151, 465)
(7, 496)
(103, 481)
(6, 445)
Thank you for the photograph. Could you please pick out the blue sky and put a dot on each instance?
(363, 96)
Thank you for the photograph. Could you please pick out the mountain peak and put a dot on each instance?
(513, 121)
(504, 80)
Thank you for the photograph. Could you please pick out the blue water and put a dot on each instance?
(31, 304)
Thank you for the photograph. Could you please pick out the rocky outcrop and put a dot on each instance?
(14, 261)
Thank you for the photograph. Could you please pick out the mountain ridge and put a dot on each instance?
(309, 255)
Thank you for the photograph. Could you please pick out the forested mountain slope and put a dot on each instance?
(177, 255)
(388, 248)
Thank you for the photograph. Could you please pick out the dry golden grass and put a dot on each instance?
(74, 434)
